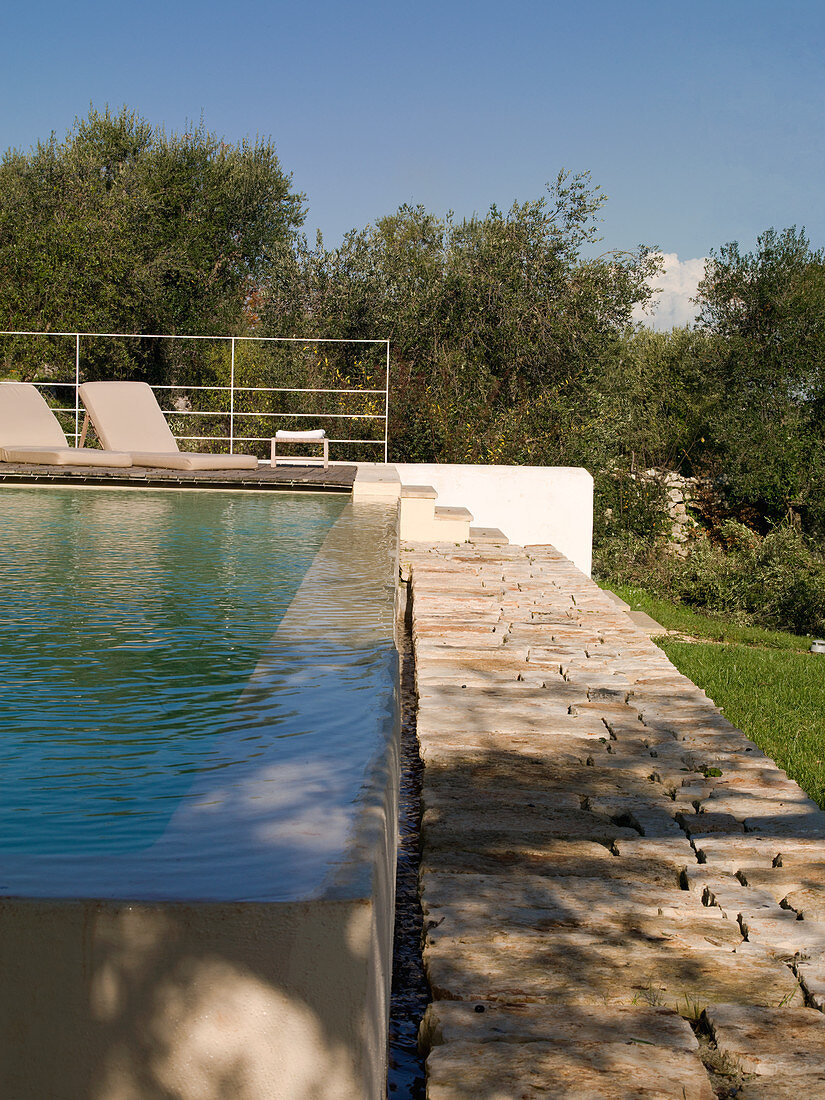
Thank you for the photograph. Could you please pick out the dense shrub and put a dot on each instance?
(776, 580)
(625, 504)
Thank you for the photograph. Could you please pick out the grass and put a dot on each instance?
(777, 698)
(676, 616)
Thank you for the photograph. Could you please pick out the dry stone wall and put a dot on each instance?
(609, 867)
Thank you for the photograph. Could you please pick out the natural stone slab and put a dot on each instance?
(799, 851)
(446, 651)
(445, 852)
(730, 853)
(769, 1041)
(522, 823)
(570, 747)
(800, 1086)
(812, 977)
(438, 720)
(543, 1071)
(539, 969)
(769, 804)
(513, 694)
(487, 897)
(796, 877)
(459, 1021)
(789, 826)
(707, 824)
(606, 929)
(737, 901)
(808, 902)
(675, 851)
(786, 937)
(506, 771)
(536, 800)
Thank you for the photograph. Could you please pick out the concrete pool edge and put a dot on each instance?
(107, 999)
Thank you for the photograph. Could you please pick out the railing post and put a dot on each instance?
(76, 388)
(232, 401)
(387, 404)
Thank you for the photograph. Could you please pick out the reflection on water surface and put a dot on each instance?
(159, 736)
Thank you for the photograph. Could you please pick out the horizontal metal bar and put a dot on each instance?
(250, 389)
(167, 336)
(315, 416)
(287, 416)
(262, 439)
(217, 389)
(11, 382)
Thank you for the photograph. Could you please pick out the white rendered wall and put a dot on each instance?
(530, 504)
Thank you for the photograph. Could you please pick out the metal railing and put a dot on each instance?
(233, 389)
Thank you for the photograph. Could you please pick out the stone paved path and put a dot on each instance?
(606, 860)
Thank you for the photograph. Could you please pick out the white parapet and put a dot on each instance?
(530, 504)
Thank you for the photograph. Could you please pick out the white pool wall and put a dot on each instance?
(530, 504)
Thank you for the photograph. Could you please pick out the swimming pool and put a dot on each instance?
(198, 794)
(163, 737)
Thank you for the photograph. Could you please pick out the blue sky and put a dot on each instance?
(702, 123)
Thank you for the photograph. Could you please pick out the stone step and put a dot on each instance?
(617, 600)
(418, 492)
(444, 512)
(488, 536)
(424, 521)
(451, 524)
(646, 623)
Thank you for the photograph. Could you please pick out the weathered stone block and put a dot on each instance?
(785, 937)
(543, 1071)
(458, 1021)
(769, 1041)
(525, 823)
(462, 904)
(706, 824)
(799, 1086)
(675, 851)
(536, 968)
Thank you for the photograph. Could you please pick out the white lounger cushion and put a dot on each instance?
(65, 456)
(30, 432)
(127, 417)
(297, 437)
(193, 460)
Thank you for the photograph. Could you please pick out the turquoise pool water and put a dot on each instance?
(163, 733)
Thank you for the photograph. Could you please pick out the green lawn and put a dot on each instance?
(776, 697)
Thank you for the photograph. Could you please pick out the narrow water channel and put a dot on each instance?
(410, 992)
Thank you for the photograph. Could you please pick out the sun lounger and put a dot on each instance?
(127, 417)
(30, 432)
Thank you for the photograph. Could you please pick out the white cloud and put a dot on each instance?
(677, 284)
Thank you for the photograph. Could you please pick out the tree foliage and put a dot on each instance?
(499, 324)
(125, 228)
(766, 309)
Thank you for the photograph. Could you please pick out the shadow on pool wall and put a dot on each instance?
(200, 1000)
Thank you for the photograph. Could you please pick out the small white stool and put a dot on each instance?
(318, 436)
